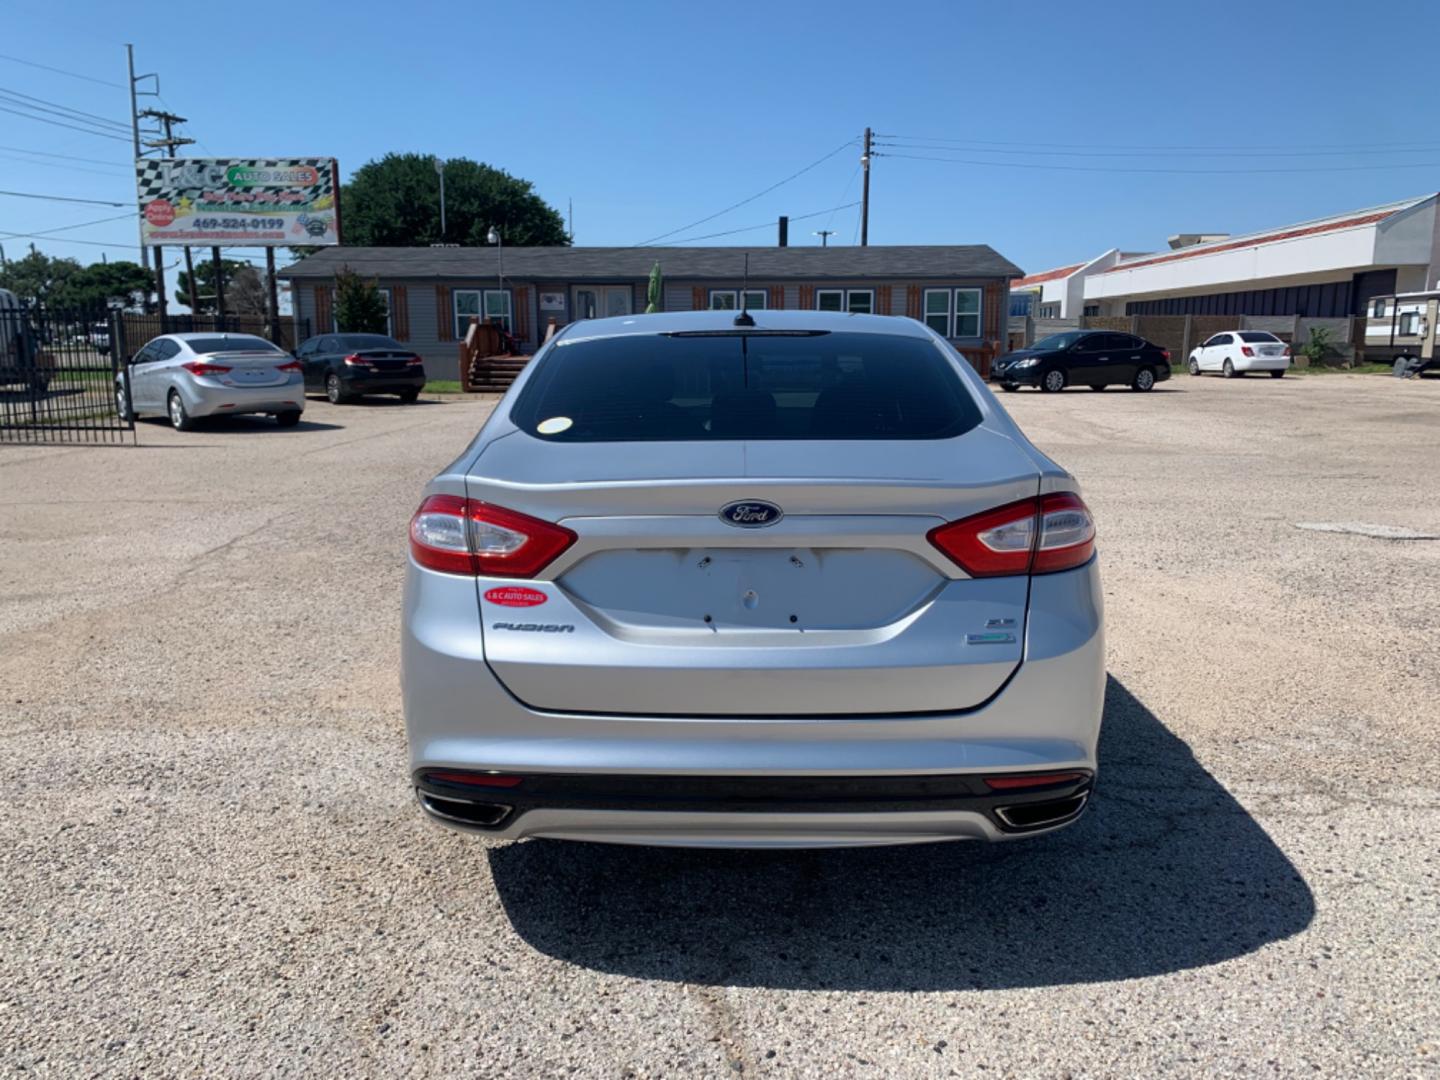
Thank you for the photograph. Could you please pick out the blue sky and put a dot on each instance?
(653, 116)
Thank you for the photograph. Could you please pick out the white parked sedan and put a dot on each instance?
(189, 376)
(1237, 351)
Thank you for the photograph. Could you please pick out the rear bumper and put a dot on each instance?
(218, 400)
(1045, 719)
(734, 811)
(1262, 363)
(382, 384)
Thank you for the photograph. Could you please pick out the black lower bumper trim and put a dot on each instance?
(1024, 810)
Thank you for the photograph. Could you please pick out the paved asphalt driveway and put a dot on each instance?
(210, 862)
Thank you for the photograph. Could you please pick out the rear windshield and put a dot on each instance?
(231, 343)
(367, 341)
(645, 387)
(1256, 337)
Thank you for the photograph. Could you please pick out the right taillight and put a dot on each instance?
(1033, 536)
(464, 536)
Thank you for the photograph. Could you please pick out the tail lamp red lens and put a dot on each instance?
(1034, 780)
(414, 361)
(293, 365)
(465, 536)
(1032, 536)
(1166, 354)
(354, 360)
(198, 367)
(474, 779)
(1245, 350)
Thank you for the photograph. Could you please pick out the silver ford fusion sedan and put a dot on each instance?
(790, 578)
(187, 377)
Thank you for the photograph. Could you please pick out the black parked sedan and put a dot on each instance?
(1093, 358)
(348, 366)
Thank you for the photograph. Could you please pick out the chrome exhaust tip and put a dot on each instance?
(485, 815)
(1042, 815)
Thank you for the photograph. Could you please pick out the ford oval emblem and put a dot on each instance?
(751, 514)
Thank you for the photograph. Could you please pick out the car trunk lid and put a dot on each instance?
(840, 606)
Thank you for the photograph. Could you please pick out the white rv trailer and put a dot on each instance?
(1402, 329)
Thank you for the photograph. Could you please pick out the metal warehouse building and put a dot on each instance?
(1328, 268)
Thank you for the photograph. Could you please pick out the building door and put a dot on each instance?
(602, 301)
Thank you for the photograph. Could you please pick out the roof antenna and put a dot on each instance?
(744, 318)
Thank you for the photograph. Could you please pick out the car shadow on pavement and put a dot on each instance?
(1165, 872)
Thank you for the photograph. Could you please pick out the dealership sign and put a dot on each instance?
(238, 202)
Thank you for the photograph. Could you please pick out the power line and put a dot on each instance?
(1154, 146)
(67, 228)
(57, 123)
(60, 71)
(1146, 153)
(61, 165)
(1210, 172)
(63, 157)
(752, 198)
(752, 228)
(65, 240)
(61, 198)
(44, 105)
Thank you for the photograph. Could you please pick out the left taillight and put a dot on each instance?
(1033, 536)
(465, 536)
(197, 367)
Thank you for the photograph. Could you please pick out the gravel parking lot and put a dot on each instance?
(211, 862)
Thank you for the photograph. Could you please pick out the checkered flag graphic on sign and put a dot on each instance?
(170, 178)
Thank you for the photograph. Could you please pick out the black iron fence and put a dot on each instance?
(138, 329)
(58, 377)
(59, 369)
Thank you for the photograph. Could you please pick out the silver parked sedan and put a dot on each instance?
(795, 583)
(190, 376)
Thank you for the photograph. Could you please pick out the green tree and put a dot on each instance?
(100, 284)
(205, 282)
(395, 202)
(37, 278)
(359, 307)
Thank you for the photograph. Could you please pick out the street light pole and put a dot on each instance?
(499, 241)
(440, 169)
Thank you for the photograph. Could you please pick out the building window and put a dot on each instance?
(855, 301)
(937, 311)
(727, 299)
(1091, 309)
(967, 313)
(487, 304)
(953, 313)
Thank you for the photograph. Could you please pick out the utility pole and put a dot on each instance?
(135, 141)
(824, 235)
(168, 144)
(865, 196)
(219, 265)
(440, 168)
